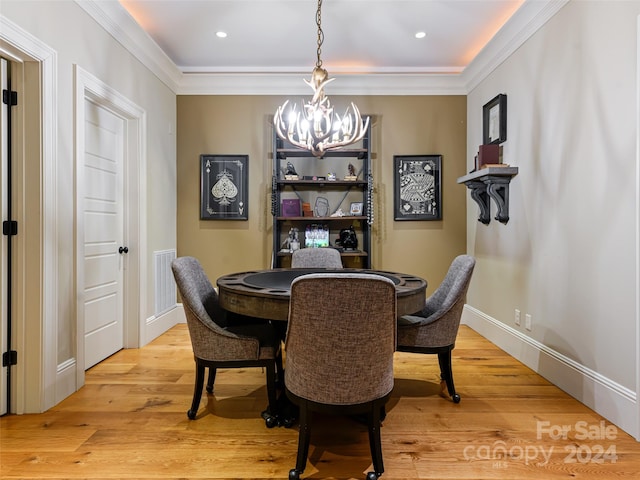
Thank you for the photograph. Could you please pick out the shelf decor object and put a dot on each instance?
(494, 120)
(417, 187)
(291, 207)
(355, 208)
(317, 128)
(224, 193)
(490, 182)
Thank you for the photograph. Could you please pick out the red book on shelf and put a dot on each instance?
(488, 154)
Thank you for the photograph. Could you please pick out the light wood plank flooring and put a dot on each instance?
(130, 421)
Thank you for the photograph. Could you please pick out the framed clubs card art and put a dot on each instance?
(417, 190)
(224, 193)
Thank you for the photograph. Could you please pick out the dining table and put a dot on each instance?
(266, 293)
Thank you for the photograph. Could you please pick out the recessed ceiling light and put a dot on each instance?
(421, 35)
(221, 34)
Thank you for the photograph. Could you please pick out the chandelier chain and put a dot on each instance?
(317, 127)
(320, 33)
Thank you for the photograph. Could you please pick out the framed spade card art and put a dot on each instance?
(223, 187)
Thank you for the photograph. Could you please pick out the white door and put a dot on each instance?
(4, 134)
(102, 197)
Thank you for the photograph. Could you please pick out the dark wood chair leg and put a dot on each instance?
(444, 359)
(303, 442)
(197, 391)
(279, 372)
(375, 442)
(270, 415)
(211, 379)
(271, 386)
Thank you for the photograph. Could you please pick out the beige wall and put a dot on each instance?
(402, 125)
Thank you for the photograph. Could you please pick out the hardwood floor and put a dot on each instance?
(129, 421)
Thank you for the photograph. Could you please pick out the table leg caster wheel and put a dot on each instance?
(191, 414)
(373, 476)
(288, 422)
(456, 398)
(269, 420)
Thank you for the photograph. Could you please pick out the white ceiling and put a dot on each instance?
(361, 36)
(369, 45)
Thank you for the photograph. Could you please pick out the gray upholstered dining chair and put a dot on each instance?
(219, 344)
(339, 349)
(434, 329)
(325, 257)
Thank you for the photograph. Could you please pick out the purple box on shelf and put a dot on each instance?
(291, 208)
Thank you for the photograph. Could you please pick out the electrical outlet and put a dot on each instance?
(517, 317)
(527, 322)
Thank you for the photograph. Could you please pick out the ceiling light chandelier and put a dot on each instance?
(317, 127)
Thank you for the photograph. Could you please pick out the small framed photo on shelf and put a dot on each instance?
(417, 187)
(494, 120)
(356, 209)
(223, 187)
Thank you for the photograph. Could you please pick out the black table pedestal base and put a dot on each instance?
(286, 414)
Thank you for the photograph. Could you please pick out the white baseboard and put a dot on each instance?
(156, 326)
(180, 313)
(66, 380)
(613, 401)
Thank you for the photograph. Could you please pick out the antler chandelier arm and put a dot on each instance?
(322, 132)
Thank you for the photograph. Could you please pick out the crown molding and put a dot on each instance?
(293, 84)
(346, 70)
(526, 21)
(531, 15)
(120, 25)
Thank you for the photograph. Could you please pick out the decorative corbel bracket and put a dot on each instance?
(479, 194)
(492, 182)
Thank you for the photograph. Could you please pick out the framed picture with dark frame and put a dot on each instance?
(494, 120)
(417, 187)
(224, 193)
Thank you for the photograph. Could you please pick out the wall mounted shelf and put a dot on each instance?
(491, 182)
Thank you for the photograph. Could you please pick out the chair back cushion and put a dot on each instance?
(209, 340)
(325, 257)
(341, 338)
(456, 282)
(196, 290)
(438, 322)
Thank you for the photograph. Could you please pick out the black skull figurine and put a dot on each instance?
(291, 170)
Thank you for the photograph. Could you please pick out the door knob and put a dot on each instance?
(123, 250)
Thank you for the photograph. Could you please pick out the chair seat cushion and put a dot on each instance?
(264, 332)
(414, 320)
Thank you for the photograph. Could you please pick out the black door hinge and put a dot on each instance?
(10, 98)
(10, 227)
(9, 358)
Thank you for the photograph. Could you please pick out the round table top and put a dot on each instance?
(265, 293)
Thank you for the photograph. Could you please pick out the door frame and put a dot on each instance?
(34, 385)
(5, 201)
(90, 88)
(637, 320)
